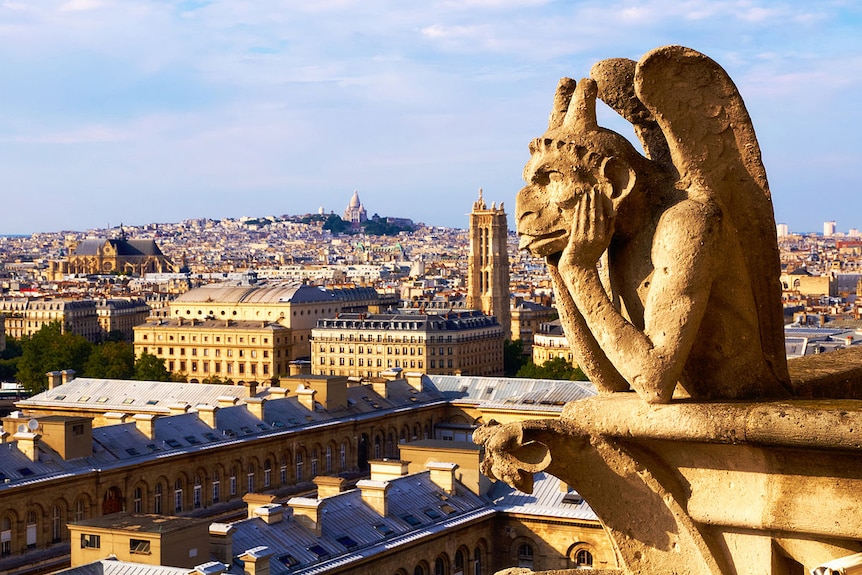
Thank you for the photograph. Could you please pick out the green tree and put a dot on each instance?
(513, 357)
(49, 349)
(150, 368)
(9, 359)
(554, 368)
(335, 224)
(111, 360)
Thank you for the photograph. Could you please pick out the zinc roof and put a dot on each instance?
(546, 500)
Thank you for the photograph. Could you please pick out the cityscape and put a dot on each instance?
(298, 394)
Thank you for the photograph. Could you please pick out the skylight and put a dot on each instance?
(431, 513)
(288, 560)
(347, 541)
(384, 529)
(411, 519)
(319, 551)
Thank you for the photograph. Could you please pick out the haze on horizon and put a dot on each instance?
(142, 112)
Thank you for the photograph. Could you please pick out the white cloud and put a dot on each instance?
(80, 5)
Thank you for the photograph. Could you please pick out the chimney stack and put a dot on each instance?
(415, 379)
(179, 408)
(374, 494)
(68, 375)
(443, 475)
(146, 424)
(328, 486)
(226, 401)
(207, 414)
(255, 406)
(256, 561)
(28, 444)
(307, 513)
(55, 379)
(271, 513)
(387, 469)
(306, 397)
(221, 542)
(255, 500)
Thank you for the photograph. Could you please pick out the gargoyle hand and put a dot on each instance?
(508, 458)
(592, 228)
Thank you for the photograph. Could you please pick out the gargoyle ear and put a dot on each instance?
(620, 175)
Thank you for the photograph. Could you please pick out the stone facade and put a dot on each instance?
(488, 274)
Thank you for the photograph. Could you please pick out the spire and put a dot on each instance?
(480, 203)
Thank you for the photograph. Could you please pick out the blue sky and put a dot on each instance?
(161, 111)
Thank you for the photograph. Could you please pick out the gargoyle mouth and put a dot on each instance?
(545, 244)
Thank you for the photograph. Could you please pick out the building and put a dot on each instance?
(355, 212)
(121, 315)
(26, 316)
(527, 319)
(367, 345)
(829, 228)
(488, 270)
(550, 342)
(782, 230)
(294, 306)
(217, 350)
(89, 447)
(112, 256)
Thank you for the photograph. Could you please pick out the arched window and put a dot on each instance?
(440, 566)
(328, 461)
(267, 473)
(157, 499)
(477, 561)
(216, 487)
(525, 555)
(282, 472)
(197, 493)
(343, 457)
(250, 477)
(32, 529)
(460, 561)
(314, 463)
(377, 447)
(583, 558)
(5, 537)
(299, 467)
(178, 495)
(233, 481)
(419, 570)
(137, 500)
(56, 524)
(80, 510)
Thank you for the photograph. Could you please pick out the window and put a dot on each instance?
(6, 537)
(216, 487)
(157, 499)
(138, 493)
(314, 463)
(89, 541)
(197, 493)
(233, 481)
(298, 467)
(178, 495)
(328, 459)
(343, 457)
(584, 558)
(56, 524)
(525, 555)
(440, 566)
(460, 561)
(139, 547)
(267, 473)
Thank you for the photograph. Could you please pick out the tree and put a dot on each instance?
(150, 368)
(335, 224)
(49, 349)
(9, 359)
(111, 360)
(513, 357)
(554, 368)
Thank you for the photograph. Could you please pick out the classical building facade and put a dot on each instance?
(26, 316)
(217, 350)
(488, 273)
(527, 319)
(464, 342)
(112, 256)
(550, 342)
(121, 315)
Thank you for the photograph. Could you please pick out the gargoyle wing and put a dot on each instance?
(714, 149)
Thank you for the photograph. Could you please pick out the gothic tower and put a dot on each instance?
(488, 288)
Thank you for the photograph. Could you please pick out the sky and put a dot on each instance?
(159, 111)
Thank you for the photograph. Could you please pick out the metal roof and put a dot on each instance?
(546, 500)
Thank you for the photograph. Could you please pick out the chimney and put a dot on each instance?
(68, 375)
(226, 401)
(255, 406)
(210, 568)
(414, 379)
(271, 513)
(179, 408)
(255, 500)
(278, 392)
(146, 424)
(115, 418)
(55, 379)
(256, 561)
(442, 475)
(207, 414)
(221, 542)
(391, 374)
(374, 494)
(306, 397)
(386, 469)
(251, 388)
(307, 513)
(328, 486)
(28, 444)
(381, 387)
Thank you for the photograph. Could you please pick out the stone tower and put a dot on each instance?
(488, 288)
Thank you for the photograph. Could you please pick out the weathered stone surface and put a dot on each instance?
(665, 269)
(688, 294)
